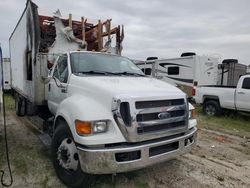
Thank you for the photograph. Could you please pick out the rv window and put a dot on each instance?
(61, 70)
(29, 65)
(173, 70)
(246, 83)
(147, 71)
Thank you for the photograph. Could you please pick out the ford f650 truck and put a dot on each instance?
(103, 114)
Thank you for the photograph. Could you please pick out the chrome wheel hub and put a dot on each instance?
(67, 155)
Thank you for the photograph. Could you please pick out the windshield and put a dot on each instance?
(104, 64)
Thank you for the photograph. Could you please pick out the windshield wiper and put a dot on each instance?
(95, 72)
(128, 73)
(110, 73)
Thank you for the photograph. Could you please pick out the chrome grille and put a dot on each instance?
(145, 120)
(160, 127)
(153, 116)
(158, 103)
(160, 115)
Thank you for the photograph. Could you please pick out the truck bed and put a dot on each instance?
(224, 94)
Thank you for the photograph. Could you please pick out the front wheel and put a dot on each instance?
(212, 108)
(65, 159)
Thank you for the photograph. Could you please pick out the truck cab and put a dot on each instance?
(242, 94)
(110, 117)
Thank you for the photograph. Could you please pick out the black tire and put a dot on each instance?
(20, 105)
(212, 108)
(73, 179)
(30, 108)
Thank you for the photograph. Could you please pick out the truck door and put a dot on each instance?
(57, 88)
(243, 94)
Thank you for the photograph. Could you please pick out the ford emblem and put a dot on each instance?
(164, 115)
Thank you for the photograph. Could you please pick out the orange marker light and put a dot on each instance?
(83, 128)
(193, 115)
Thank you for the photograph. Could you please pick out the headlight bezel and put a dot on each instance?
(88, 128)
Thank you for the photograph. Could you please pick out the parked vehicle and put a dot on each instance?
(104, 115)
(230, 72)
(215, 99)
(185, 72)
(6, 74)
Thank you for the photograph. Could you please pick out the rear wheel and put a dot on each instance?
(212, 108)
(20, 105)
(66, 161)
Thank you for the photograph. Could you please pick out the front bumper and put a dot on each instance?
(104, 161)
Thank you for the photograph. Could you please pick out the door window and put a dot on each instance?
(246, 83)
(61, 69)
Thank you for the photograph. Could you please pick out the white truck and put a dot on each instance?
(215, 99)
(103, 114)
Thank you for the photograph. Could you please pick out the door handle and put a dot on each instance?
(49, 87)
(241, 92)
(63, 90)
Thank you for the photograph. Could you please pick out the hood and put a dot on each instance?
(126, 86)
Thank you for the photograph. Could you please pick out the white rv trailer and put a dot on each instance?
(6, 74)
(184, 72)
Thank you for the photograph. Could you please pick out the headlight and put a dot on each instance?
(86, 128)
(100, 127)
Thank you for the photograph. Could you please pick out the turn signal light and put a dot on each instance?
(83, 128)
(192, 114)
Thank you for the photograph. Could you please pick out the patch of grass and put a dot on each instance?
(131, 175)
(20, 166)
(2, 149)
(9, 102)
(103, 181)
(141, 183)
(234, 123)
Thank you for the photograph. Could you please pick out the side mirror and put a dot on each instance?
(46, 80)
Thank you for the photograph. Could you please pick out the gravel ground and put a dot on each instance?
(218, 160)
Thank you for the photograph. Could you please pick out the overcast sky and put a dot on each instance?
(163, 28)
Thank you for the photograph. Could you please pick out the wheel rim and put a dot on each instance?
(210, 110)
(67, 155)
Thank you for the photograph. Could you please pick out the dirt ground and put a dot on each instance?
(218, 160)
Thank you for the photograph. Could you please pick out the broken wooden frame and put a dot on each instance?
(93, 34)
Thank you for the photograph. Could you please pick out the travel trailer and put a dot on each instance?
(185, 72)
